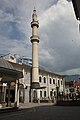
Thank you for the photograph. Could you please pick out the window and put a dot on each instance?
(50, 81)
(53, 81)
(58, 82)
(11, 57)
(44, 93)
(40, 94)
(51, 93)
(44, 80)
(40, 79)
(61, 83)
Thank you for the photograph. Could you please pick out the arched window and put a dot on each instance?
(44, 80)
(50, 81)
(51, 94)
(40, 94)
(58, 82)
(53, 81)
(44, 93)
(61, 82)
(40, 79)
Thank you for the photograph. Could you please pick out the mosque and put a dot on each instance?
(21, 82)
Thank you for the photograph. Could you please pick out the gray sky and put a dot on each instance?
(59, 47)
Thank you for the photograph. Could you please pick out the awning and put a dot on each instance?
(8, 73)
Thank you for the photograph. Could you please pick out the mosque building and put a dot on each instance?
(36, 83)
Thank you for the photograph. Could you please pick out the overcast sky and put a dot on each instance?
(59, 47)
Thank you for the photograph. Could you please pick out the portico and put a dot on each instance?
(8, 75)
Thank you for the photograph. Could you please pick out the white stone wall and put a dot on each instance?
(26, 100)
(26, 81)
(50, 86)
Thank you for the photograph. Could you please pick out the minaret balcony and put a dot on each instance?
(34, 38)
(34, 23)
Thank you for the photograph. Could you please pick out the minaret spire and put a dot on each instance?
(34, 8)
(35, 41)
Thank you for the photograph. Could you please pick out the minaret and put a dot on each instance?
(35, 41)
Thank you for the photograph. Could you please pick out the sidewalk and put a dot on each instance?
(30, 105)
(23, 106)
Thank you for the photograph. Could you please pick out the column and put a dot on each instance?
(48, 87)
(9, 102)
(38, 95)
(17, 94)
(4, 93)
(15, 104)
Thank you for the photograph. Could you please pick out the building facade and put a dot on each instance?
(48, 81)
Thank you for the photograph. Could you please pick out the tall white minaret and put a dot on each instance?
(35, 41)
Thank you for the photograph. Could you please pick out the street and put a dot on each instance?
(44, 113)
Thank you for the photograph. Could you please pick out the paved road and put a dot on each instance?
(44, 113)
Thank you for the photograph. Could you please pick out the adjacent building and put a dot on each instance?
(72, 86)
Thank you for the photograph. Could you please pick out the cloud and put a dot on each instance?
(59, 37)
(15, 46)
(7, 16)
(60, 29)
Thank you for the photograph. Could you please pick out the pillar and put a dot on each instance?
(9, 102)
(16, 104)
(48, 86)
(4, 93)
(18, 95)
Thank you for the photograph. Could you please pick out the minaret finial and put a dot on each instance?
(34, 8)
(34, 15)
